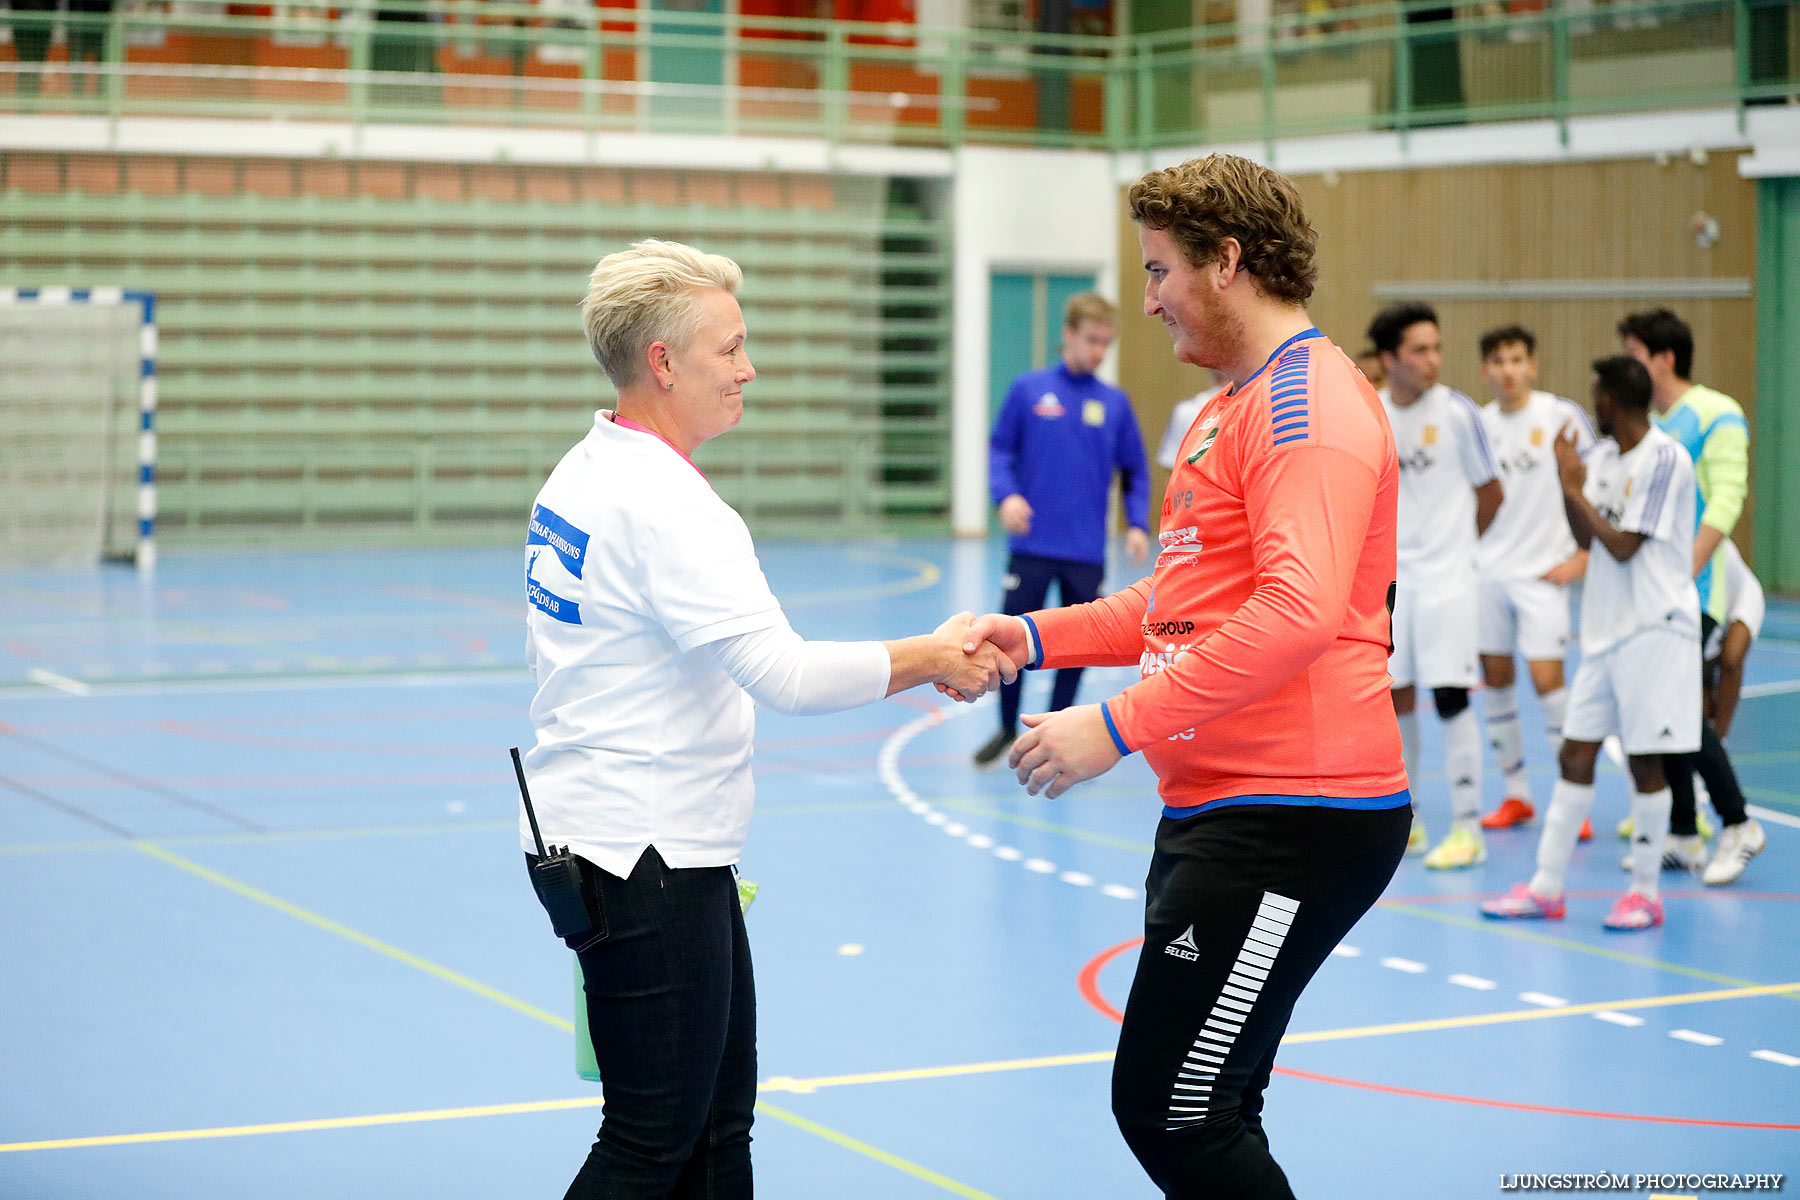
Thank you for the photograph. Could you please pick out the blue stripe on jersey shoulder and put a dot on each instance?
(1663, 472)
(1581, 415)
(1482, 444)
(1289, 408)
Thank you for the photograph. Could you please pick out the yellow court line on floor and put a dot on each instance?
(361, 939)
(804, 1086)
(314, 1126)
(480, 989)
(785, 1083)
(875, 1152)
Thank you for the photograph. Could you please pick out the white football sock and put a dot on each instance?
(1462, 758)
(1569, 805)
(1505, 737)
(1649, 828)
(1555, 704)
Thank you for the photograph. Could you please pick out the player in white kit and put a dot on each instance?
(1527, 558)
(1726, 645)
(1633, 501)
(1449, 492)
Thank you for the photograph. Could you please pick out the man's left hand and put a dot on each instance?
(1058, 750)
(1137, 544)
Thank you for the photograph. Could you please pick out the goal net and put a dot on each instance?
(77, 452)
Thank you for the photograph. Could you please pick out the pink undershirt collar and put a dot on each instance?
(628, 423)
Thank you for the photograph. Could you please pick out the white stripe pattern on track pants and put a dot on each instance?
(1192, 1097)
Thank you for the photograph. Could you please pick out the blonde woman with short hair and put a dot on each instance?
(653, 633)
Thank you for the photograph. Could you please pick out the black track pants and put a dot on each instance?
(1244, 903)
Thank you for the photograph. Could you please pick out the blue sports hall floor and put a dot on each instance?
(264, 929)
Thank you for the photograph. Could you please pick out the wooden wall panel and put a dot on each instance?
(1606, 220)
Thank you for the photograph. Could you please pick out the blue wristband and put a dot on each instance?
(1037, 644)
(1118, 741)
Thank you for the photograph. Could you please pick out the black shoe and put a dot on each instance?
(995, 749)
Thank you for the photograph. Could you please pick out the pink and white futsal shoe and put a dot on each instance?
(1523, 904)
(1633, 911)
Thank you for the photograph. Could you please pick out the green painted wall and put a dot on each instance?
(1776, 439)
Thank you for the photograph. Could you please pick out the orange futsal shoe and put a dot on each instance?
(1512, 811)
(1587, 831)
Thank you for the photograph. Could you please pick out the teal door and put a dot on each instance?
(697, 56)
(1024, 331)
(1025, 326)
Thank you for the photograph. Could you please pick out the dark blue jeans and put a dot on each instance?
(1029, 577)
(672, 1007)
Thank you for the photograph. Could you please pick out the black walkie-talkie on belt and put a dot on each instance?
(555, 875)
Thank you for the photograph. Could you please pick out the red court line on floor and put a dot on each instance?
(1534, 1108)
(1088, 981)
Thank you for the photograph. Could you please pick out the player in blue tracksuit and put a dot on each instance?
(1060, 437)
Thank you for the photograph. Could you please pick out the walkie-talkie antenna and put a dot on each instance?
(525, 795)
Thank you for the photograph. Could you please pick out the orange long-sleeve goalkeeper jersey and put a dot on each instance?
(1262, 634)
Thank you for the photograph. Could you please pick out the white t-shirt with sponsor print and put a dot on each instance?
(1649, 490)
(1444, 456)
(633, 566)
(1530, 534)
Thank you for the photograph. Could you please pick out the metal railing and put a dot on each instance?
(1370, 67)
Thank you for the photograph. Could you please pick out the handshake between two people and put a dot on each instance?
(978, 654)
(1057, 750)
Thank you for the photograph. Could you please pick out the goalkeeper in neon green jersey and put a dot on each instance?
(1711, 427)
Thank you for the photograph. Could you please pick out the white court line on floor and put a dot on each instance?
(1543, 999)
(61, 683)
(1696, 1037)
(1475, 982)
(1618, 1018)
(887, 767)
(1774, 816)
(1404, 964)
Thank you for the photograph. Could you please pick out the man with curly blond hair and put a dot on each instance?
(1262, 643)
